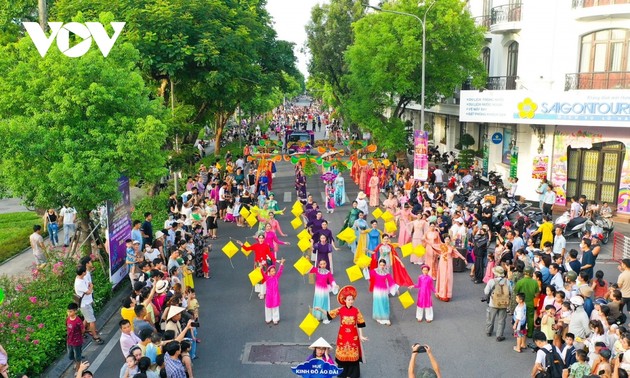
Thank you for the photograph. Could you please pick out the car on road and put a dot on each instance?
(299, 141)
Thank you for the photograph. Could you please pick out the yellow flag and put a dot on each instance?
(390, 227)
(297, 211)
(354, 273)
(407, 249)
(387, 216)
(230, 249)
(303, 265)
(405, 299)
(309, 324)
(251, 220)
(304, 244)
(297, 204)
(347, 235)
(304, 234)
(255, 276)
(377, 213)
(244, 212)
(255, 210)
(246, 253)
(297, 222)
(419, 250)
(364, 261)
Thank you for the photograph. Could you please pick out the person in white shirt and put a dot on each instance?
(150, 253)
(69, 216)
(439, 176)
(83, 289)
(576, 208)
(513, 187)
(559, 243)
(556, 277)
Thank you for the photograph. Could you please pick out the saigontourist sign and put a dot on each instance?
(604, 108)
(87, 32)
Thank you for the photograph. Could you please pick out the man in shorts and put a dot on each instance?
(84, 289)
(37, 244)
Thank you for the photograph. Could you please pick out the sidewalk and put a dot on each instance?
(21, 263)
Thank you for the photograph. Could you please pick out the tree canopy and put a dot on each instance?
(381, 66)
(72, 127)
(215, 54)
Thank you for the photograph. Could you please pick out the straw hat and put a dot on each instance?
(174, 310)
(320, 343)
(361, 195)
(161, 286)
(159, 234)
(344, 292)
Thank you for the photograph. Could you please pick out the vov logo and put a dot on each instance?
(62, 32)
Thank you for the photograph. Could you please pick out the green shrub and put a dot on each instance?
(32, 316)
(156, 205)
(15, 229)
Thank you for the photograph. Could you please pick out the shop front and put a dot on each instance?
(578, 140)
(592, 162)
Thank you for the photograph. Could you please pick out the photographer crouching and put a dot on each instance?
(433, 372)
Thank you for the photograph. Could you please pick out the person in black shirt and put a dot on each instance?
(147, 229)
(173, 207)
(486, 214)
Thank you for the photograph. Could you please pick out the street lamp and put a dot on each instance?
(423, 21)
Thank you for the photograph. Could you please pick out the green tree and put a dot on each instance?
(207, 54)
(386, 58)
(72, 127)
(329, 34)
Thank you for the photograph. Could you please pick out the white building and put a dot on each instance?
(558, 94)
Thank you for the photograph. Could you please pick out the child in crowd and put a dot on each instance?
(581, 368)
(206, 263)
(519, 318)
(188, 270)
(599, 285)
(489, 267)
(548, 321)
(565, 317)
(74, 337)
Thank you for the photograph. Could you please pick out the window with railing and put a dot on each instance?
(604, 62)
(597, 3)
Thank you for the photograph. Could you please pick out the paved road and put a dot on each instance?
(230, 320)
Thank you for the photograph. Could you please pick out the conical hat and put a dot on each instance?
(320, 343)
(174, 310)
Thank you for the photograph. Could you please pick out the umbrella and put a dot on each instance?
(328, 176)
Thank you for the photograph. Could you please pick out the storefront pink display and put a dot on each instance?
(594, 162)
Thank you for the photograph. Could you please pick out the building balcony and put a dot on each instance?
(505, 19)
(590, 10)
(501, 83)
(597, 80)
(483, 21)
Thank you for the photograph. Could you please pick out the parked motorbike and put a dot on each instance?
(575, 226)
(602, 226)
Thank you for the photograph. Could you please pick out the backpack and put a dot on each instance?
(501, 294)
(554, 363)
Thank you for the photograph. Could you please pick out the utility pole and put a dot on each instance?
(43, 14)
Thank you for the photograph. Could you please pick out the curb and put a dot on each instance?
(62, 364)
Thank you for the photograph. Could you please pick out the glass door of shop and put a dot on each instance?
(595, 172)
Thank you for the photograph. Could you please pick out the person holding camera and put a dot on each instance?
(433, 372)
(480, 250)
